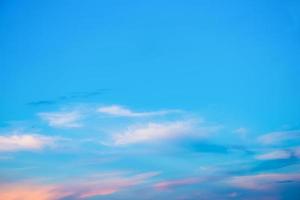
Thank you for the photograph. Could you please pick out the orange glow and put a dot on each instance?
(29, 192)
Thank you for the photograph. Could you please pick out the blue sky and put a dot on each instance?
(169, 99)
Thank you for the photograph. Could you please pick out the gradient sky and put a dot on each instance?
(147, 100)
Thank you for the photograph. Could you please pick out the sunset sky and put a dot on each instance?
(142, 100)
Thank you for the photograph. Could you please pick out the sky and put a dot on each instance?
(125, 100)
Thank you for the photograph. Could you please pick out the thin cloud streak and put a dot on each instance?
(97, 185)
(164, 185)
(62, 119)
(109, 184)
(120, 111)
(278, 137)
(262, 181)
(277, 154)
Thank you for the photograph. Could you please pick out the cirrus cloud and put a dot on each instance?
(62, 119)
(153, 131)
(176, 183)
(278, 137)
(80, 188)
(273, 155)
(262, 181)
(120, 111)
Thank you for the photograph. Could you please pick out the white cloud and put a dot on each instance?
(158, 131)
(152, 131)
(62, 119)
(278, 137)
(120, 111)
(262, 181)
(18, 142)
(242, 132)
(278, 154)
(163, 185)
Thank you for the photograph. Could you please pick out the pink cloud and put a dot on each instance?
(107, 184)
(98, 192)
(30, 191)
(98, 185)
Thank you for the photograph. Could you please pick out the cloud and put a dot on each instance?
(278, 137)
(97, 192)
(96, 185)
(62, 119)
(262, 181)
(175, 183)
(277, 154)
(18, 142)
(30, 191)
(101, 185)
(120, 111)
(292, 153)
(153, 132)
(242, 132)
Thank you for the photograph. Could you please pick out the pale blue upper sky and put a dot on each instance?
(172, 98)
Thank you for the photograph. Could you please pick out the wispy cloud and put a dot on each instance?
(18, 142)
(153, 131)
(120, 111)
(278, 137)
(176, 183)
(280, 154)
(100, 185)
(96, 185)
(242, 132)
(62, 119)
(262, 181)
(273, 155)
